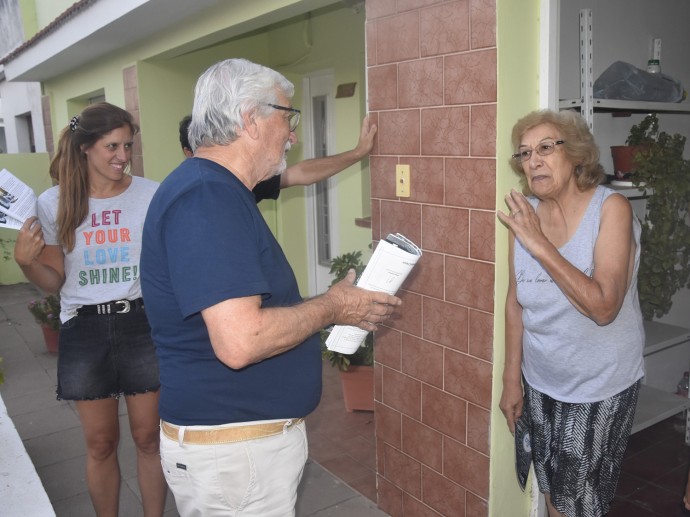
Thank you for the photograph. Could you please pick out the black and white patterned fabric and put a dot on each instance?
(578, 449)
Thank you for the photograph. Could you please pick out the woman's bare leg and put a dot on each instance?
(145, 424)
(101, 428)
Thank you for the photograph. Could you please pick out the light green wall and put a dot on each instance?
(518, 93)
(47, 10)
(337, 38)
(29, 21)
(32, 169)
(167, 73)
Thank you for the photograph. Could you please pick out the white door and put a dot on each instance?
(319, 141)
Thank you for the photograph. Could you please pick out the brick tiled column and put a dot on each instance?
(432, 90)
(129, 76)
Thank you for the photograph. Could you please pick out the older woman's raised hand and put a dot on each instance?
(522, 220)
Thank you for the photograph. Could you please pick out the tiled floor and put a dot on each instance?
(342, 445)
(52, 436)
(342, 442)
(654, 473)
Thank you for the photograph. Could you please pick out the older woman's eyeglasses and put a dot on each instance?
(293, 117)
(543, 149)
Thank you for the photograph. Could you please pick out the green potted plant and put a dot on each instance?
(356, 370)
(665, 256)
(46, 312)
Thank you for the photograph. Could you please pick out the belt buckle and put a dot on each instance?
(125, 306)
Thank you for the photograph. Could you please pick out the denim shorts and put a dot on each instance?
(104, 356)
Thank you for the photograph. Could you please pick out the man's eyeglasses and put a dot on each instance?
(543, 149)
(293, 117)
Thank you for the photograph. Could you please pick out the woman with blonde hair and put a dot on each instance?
(85, 244)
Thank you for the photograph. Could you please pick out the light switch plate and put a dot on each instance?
(402, 181)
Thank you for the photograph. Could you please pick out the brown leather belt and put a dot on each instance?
(239, 433)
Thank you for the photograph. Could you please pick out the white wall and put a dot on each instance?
(18, 100)
(622, 30)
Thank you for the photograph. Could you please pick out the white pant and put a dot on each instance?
(253, 478)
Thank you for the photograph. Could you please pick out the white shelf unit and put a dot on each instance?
(587, 104)
(655, 405)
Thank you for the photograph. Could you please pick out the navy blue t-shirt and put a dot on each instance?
(204, 242)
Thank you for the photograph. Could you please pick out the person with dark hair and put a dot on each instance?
(238, 348)
(306, 172)
(574, 334)
(85, 244)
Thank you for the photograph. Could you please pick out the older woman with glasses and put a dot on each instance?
(574, 334)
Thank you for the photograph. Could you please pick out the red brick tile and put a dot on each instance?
(476, 506)
(388, 425)
(483, 130)
(398, 132)
(445, 131)
(378, 383)
(402, 393)
(405, 218)
(421, 83)
(409, 5)
(390, 497)
(468, 378)
(478, 428)
(422, 443)
(426, 178)
(483, 22)
(481, 343)
(403, 471)
(397, 38)
(443, 495)
(445, 323)
(471, 183)
(383, 87)
(444, 412)
(388, 347)
(482, 235)
(408, 316)
(371, 28)
(427, 276)
(415, 508)
(422, 360)
(470, 283)
(379, 8)
(444, 29)
(445, 230)
(470, 77)
(466, 467)
(382, 171)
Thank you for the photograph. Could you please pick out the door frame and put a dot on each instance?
(321, 82)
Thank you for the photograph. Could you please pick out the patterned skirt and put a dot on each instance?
(578, 449)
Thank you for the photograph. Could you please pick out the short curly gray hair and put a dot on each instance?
(579, 145)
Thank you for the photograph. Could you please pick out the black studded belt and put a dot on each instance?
(114, 307)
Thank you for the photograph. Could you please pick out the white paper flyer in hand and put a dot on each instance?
(17, 201)
(391, 262)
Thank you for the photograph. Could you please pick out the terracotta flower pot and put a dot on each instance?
(51, 337)
(623, 160)
(358, 388)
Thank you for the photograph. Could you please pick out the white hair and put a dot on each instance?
(228, 90)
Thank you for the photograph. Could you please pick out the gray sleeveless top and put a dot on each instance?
(565, 354)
